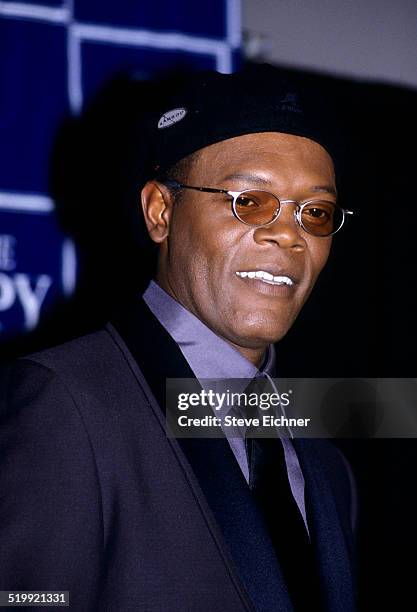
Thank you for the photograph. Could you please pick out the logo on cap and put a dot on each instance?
(171, 117)
(290, 102)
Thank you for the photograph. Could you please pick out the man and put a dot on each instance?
(96, 499)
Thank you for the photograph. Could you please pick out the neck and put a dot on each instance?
(255, 356)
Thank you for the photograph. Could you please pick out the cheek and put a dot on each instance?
(200, 249)
(319, 249)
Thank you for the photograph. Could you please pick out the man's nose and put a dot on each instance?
(285, 230)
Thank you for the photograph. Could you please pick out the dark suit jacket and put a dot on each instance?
(96, 500)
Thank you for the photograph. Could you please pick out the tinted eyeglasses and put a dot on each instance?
(258, 208)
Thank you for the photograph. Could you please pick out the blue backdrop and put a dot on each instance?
(54, 55)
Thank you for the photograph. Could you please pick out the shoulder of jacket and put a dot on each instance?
(61, 352)
(86, 361)
(89, 351)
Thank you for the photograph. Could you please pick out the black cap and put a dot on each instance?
(209, 107)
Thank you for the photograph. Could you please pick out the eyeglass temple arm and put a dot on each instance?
(205, 189)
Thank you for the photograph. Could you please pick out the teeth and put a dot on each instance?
(283, 279)
(266, 277)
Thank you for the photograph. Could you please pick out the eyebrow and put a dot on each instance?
(250, 178)
(260, 180)
(326, 188)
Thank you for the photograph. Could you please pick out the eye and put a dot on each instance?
(247, 200)
(318, 212)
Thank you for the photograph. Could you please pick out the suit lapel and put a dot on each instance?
(330, 540)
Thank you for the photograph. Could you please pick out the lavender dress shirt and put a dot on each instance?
(201, 348)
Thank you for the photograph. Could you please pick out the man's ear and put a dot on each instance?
(157, 205)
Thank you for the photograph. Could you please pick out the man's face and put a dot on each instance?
(207, 246)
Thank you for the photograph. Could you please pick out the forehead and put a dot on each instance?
(273, 154)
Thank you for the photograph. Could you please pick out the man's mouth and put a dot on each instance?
(267, 277)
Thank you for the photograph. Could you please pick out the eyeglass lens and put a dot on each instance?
(320, 218)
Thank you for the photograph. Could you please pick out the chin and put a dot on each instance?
(261, 335)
